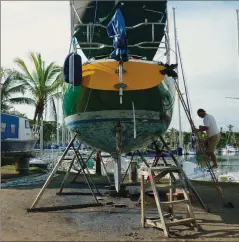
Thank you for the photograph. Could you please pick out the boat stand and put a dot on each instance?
(142, 158)
(87, 160)
(87, 176)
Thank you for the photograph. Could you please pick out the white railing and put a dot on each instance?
(89, 44)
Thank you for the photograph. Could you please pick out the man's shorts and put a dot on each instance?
(211, 143)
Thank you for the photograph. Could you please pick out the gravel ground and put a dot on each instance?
(107, 223)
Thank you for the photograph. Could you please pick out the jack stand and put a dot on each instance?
(145, 162)
(117, 161)
(87, 160)
(102, 162)
(86, 175)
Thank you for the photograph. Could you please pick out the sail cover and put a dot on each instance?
(116, 30)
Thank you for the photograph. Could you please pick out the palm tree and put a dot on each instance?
(41, 83)
(11, 85)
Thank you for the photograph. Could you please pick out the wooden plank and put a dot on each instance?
(181, 221)
(189, 205)
(157, 200)
(156, 224)
(175, 202)
(165, 186)
(166, 168)
(171, 194)
(117, 173)
(142, 201)
(145, 173)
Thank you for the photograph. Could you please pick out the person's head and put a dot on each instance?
(201, 112)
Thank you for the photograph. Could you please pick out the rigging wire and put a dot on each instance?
(185, 83)
(92, 35)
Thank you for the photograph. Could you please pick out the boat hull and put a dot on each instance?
(11, 146)
(94, 114)
(15, 150)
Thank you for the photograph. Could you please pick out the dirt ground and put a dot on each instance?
(108, 223)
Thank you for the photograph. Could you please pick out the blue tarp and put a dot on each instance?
(116, 29)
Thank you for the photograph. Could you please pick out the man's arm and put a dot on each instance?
(203, 128)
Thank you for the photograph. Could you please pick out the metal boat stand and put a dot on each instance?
(87, 176)
(142, 158)
(87, 160)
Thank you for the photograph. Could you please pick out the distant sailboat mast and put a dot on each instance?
(237, 11)
(237, 31)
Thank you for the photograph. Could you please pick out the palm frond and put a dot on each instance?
(17, 89)
(41, 83)
(22, 100)
(5, 107)
(38, 63)
(54, 72)
(53, 88)
(50, 71)
(53, 105)
(57, 95)
(21, 64)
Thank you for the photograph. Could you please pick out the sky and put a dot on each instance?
(207, 35)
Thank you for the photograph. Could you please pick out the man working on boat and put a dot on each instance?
(213, 134)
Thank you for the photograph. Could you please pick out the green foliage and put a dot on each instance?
(11, 88)
(41, 83)
(49, 131)
(227, 137)
(31, 169)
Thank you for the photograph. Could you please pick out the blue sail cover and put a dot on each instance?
(116, 29)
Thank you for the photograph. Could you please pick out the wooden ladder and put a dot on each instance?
(165, 219)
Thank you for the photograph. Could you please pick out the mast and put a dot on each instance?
(41, 129)
(167, 39)
(237, 30)
(176, 56)
(57, 121)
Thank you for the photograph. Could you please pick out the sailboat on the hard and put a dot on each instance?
(119, 99)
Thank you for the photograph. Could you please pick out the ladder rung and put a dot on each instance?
(180, 221)
(166, 168)
(166, 186)
(144, 173)
(175, 202)
(153, 218)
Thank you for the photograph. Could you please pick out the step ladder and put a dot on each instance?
(167, 218)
